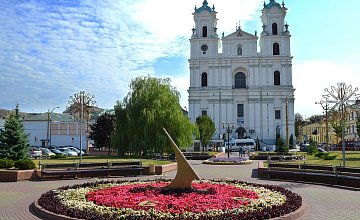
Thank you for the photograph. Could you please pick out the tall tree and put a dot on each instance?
(152, 104)
(206, 129)
(336, 124)
(100, 132)
(14, 141)
(280, 145)
(298, 124)
(121, 137)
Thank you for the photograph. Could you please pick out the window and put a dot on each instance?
(240, 110)
(240, 80)
(239, 50)
(274, 29)
(277, 114)
(276, 49)
(277, 78)
(204, 31)
(204, 79)
(203, 112)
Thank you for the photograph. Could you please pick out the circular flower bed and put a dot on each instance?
(216, 199)
(228, 161)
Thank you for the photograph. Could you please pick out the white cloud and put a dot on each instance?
(51, 50)
(310, 78)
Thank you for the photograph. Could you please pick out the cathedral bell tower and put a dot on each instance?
(275, 36)
(204, 39)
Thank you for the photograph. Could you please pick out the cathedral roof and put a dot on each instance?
(239, 33)
(271, 4)
(205, 7)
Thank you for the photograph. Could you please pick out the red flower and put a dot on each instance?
(205, 196)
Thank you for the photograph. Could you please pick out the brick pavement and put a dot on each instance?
(323, 202)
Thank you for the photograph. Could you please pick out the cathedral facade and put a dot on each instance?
(246, 92)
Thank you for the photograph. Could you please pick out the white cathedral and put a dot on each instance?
(241, 88)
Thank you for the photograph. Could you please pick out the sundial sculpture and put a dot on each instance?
(185, 173)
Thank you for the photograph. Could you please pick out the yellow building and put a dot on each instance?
(316, 128)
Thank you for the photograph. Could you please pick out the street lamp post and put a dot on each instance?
(325, 107)
(341, 98)
(48, 130)
(228, 126)
(81, 106)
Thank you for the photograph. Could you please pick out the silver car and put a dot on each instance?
(35, 152)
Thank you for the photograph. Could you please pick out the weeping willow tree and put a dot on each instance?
(151, 104)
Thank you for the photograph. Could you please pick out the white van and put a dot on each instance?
(246, 144)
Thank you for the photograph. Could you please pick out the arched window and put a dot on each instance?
(277, 78)
(240, 80)
(274, 29)
(276, 49)
(239, 50)
(204, 31)
(204, 79)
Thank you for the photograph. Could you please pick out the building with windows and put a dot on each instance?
(237, 84)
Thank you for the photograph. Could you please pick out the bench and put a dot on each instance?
(333, 175)
(75, 170)
(196, 156)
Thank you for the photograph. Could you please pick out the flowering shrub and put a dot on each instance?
(228, 161)
(150, 200)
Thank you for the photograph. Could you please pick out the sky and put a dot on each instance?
(53, 49)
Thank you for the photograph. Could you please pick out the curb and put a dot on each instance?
(41, 212)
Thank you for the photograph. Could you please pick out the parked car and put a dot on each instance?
(35, 152)
(52, 147)
(321, 150)
(58, 152)
(68, 152)
(76, 150)
(46, 152)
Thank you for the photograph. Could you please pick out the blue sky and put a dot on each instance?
(52, 49)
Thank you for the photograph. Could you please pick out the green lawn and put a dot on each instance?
(352, 159)
(98, 159)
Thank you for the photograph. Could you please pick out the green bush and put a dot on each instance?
(311, 149)
(327, 157)
(320, 154)
(59, 156)
(6, 163)
(25, 164)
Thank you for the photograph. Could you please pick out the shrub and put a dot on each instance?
(321, 154)
(327, 157)
(6, 163)
(59, 156)
(25, 164)
(311, 149)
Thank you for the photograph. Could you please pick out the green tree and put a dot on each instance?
(100, 132)
(280, 145)
(121, 137)
(298, 124)
(206, 129)
(336, 124)
(291, 141)
(152, 104)
(14, 141)
(257, 144)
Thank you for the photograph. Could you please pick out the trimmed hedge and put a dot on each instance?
(6, 163)
(25, 164)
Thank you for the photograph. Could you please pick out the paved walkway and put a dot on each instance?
(324, 202)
